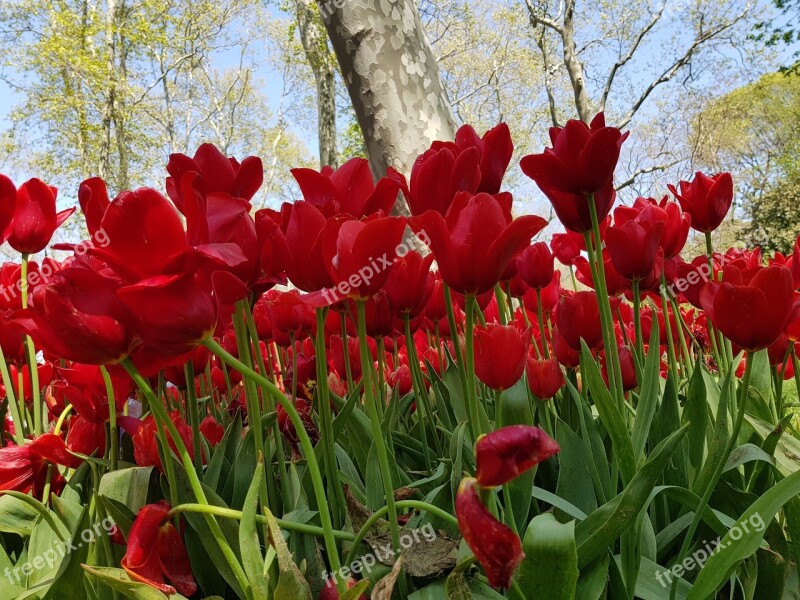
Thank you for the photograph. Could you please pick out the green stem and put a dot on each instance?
(19, 425)
(540, 318)
(194, 415)
(305, 444)
(637, 320)
(420, 393)
(113, 432)
(469, 367)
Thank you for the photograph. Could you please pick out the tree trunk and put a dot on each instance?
(107, 111)
(574, 65)
(392, 77)
(315, 45)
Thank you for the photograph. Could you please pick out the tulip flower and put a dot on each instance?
(627, 367)
(35, 219)
(497, 548)
(750, 307)
(633, 246)
(212, 431)
(145, 442)
(289, 432)
(348, 190)
(476, 240)
(156, 552)
(544, 377)
(288, 313)
(24, 468)
(535, 265)
(506, 453)
(78, 316)
(578, 317)
(93, 198)
(706, 199)
(329, 591)
(408, 285)
(500, 354)
(470, 164)
(676, 224)
(218, 174)
(580, 164)
(795, 263)
(565, 247)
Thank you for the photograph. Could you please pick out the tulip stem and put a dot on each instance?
(540, 318)
(160, 414)
(345, 352)
(796, 368)
(38, 425)
(469, 366)
(305, 443)
(668, 327)
(743, 389)
(451, 322)
(413, 504)
(637, 320)
(19, 433)
(194, 415)
(420, 396)
(113, 431)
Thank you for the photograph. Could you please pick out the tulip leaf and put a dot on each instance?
(649, 392)
(224, 454)
(118, 580)
(383, 588)
(249, 543)
(732, 550)
(787, 450)
(609, 414)
(593, 579)
(291, 583)
(127, 486)
(695, 412)
(515, 409)
(17, 516)
(599, 530)
(574, 478)
(550, 568)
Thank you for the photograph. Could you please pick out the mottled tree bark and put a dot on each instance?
(323, 65)
(392, 77)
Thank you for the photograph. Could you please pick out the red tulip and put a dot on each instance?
(8, 204)
(750, 307)
(795, 263)
(289, 432)
(506, 453)
(156, 552)
(288, 313)
(581, 163)
(218, 174)
(676, 224)
(706, 199)
(400, 379)
(348, 190)
(633, 246)
(408, 285)
(78, 316)
(535, 265)
(544, 377)
(497, 548)
(578, 317)
(475, 241)
(93, 198)
(212, 431)
(627, 367)
(500, 354)
(565, 247)
(329, 591)
(35, 217)
(24, 468)
(145, 443)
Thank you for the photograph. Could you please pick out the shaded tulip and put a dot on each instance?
(212, 431)
(535, 265)
(706, 199)
(676, 224)
(544, 377)
(497, 548)
(506, 453)
(8, 204)
(288, 313)
(93, 198)
(24, 468)
(578, 317)
(145, 442)
(35, 217)
(156, 552)
(580, 163)
(751, 307)
(633, 245)
(476, 240)
(409, 287)
(500, 354)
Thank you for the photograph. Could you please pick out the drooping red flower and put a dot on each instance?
(477, 238)
(580, 164)
(348, 190)
(578, 317)
(24, 468)
(35, 217)
(497, 548)
(544, 377)
(145, 441)
(500, 354)
(506, 453)
(750, 307)
(535, 265)
(706, 199)
(156, 552)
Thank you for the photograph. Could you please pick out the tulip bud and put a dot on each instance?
(508, 452)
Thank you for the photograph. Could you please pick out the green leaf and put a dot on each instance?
(787, 452)
(291, 583)
(599, 530)
(649, 392)
(550, 568)
(732, 551)
(515, 409)
(17, 516)
(695, 412)
(118, 580)
(574, 478)
(127, 486)
(249, 543)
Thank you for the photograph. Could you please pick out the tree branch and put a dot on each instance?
(652, 169)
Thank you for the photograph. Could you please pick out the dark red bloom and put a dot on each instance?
(212, 431)
(8, 204)
(544, 377)
(329, 591)
(750, 307)
(578, 317)
(477, 238)
(409, 287)
(93, 198)
(580, 163)
(633, 245)
(35, 217)
(676, 224)
(348, 190)
(627, 367)
(500, 354)
(24, 468)
(535, 265)
(506, 453)
(287, 428)
(156, 552)
(288, 313)
(565, 247)
(145, 442)
(400, 379)
(706, 199)
(497, 548)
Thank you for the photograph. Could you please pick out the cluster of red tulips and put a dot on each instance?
(195, 363)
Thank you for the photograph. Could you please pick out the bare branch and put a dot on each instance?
(539, 19)
(643, 171)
